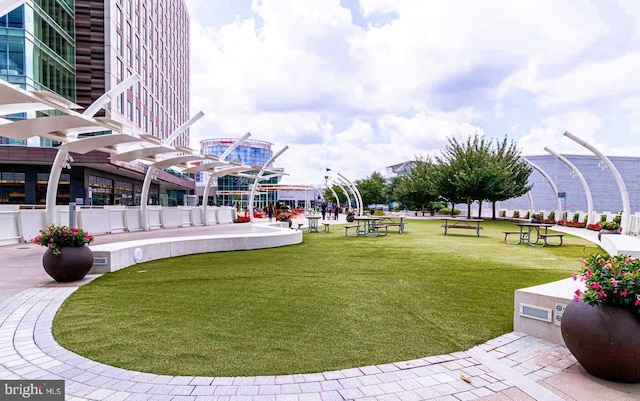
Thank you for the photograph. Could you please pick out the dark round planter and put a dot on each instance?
(605, 339)
(350, 218)
(607, 232)
(73, 263)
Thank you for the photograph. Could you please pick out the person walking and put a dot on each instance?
(336, 211)
(323, 209)
(270, 211)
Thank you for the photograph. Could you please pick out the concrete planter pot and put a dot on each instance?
(605, 339)
(73, 263)
(607, 232)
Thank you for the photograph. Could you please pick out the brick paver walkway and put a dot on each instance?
(28, 351)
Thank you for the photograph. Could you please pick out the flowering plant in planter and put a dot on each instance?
(54, 237)
(594, 227)
(610, 280)
(610, 225)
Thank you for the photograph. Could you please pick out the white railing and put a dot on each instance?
(22, 223)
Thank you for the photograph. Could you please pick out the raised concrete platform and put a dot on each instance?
(620, 244)
(538, 310)
(119, 255)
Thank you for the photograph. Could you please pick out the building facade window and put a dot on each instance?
(100, 191)
(64, 189)
(12, 188)
(123, 193)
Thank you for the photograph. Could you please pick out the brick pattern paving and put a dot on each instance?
(28, 351)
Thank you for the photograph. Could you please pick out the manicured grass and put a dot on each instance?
(329, 303)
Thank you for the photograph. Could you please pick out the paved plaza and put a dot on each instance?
(511, 367)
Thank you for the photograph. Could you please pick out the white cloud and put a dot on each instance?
(358, 99)
(583, 125)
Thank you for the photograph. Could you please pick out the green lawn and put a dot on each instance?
(329, 303)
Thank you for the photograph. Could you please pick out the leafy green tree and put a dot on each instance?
(372, 189)
(468, 168)
(511, 174)
(416, 188)
(481, 170)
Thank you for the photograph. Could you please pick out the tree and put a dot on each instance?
(479, 170)
(372, 189)
(416, 188)
(467, 166)
(511, 172)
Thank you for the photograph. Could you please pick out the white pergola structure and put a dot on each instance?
(626, 204)
(354, 190)
(585, 186)
(259, 177)
(290, 187)
(549, 180)
(125, 147)
(339, 185)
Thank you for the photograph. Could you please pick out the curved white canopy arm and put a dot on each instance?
(339, 184)
(549, 180)
(260, 174)
(585, 186)
(222, 159)
(626, 206)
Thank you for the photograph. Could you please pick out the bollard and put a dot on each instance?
(72, 214)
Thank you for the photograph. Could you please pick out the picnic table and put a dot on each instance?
(530, 234)
(366, 225)
(312, 223)
(462, 223)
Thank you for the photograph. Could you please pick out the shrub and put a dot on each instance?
(552, 215)
(516, 214)
(576, 217)
(528, 215)
(603, 218)
(447, 211)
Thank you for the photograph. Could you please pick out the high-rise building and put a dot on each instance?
(149, 38)
(81, 49)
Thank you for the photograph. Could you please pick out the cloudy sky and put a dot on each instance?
(358, 85)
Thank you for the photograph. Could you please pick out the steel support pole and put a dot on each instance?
(259, 175)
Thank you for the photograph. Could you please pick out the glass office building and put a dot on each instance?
(233, 189)
(37, 52)
(81, 49)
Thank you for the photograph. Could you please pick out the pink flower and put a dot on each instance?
(602, 294)
(614, 282)
(624, 293)
(574, 277)
(596, 286)
(576, 298)
(637, 300)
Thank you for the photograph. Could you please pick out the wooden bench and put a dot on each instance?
(394, 224)
(376, 228)
(449, 226)
(346, 230)
(507, 233)
(545, 236)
